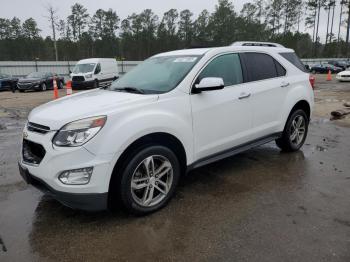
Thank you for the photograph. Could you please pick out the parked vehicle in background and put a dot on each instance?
(344, 76)
(93, 72)
(341, 64)
(8, 82)
(39, 81)
(174, 112)
(324, 68)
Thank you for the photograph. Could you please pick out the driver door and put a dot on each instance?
(221, 118)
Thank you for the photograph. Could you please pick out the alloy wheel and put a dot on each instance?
(152, 181)
(297, 130)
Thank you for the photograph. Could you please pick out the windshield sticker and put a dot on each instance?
(185, 59)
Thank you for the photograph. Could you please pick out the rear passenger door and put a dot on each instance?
(268, 87)
(221, 118)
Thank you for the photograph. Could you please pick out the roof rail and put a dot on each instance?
(252, 43)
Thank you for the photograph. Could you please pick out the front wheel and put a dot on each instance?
(96, 84)
(149, 180)
(295, 132)
(43, 87)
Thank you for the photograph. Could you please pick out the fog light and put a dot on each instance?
(79, 176)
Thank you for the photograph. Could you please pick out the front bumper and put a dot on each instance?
(83, 84)
(87, 202)
(30, 86)
(344, 78)
(55, 160)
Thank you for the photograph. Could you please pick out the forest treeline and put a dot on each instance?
(104, 34)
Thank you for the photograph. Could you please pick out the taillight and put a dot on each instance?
(312, 80)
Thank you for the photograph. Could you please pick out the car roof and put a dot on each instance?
(203, 51)
(94, 60)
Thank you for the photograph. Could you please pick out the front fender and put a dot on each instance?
(122, 130)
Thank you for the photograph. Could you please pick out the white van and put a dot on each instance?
(93, 72)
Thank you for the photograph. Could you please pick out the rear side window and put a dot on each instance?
(228, 67)
(294, 59)
(262, 66)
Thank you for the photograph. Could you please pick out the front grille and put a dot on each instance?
(32, 153)
(345, 76)
(33, 127)
(78, 78)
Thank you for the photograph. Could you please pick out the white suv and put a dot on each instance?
(130, 143)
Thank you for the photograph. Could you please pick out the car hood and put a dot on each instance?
(26, 80)
(56, 114)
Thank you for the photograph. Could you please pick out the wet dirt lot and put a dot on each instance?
(262, 205)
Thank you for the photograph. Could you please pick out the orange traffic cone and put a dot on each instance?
(55, 89)
(329, 76)
(69, 88)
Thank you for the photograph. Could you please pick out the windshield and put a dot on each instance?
(157, 75)
(84, 68)
(36, 75)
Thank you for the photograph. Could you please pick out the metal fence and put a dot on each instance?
(22, 68)
(313, 61)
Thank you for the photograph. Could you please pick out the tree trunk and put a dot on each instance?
(318, 23)
(329, 12)
(341, 13)
(331, 34)
(54, 38)
(347, 31)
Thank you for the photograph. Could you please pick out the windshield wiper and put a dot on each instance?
(130, 90)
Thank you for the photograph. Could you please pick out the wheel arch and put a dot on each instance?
(301, 104)
(159, 138)
(304, 105)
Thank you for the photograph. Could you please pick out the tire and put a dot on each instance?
(291, 140)
(313, 72)
(21, 91)
(132, 195)
(96, 84)
(43, 87)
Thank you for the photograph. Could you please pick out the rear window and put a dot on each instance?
(294, 59)
(262, 66)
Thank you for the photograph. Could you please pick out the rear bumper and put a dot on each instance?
(83, 201)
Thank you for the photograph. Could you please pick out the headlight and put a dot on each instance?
(88, 76)
(79, 132)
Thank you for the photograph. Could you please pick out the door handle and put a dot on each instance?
(244, 96)
(284, 84)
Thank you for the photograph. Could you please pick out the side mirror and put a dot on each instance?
(209, 84)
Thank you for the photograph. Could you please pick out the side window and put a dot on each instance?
(294, 59)
(228, 67)
(98, 68)
(262, 66)
(280, 69)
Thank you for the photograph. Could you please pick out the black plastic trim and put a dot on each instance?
(233, 151)
(87, 202)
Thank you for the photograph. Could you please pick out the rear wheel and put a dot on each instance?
(295, 132)
(149, 180)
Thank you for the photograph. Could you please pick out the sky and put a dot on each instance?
(24, 9)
